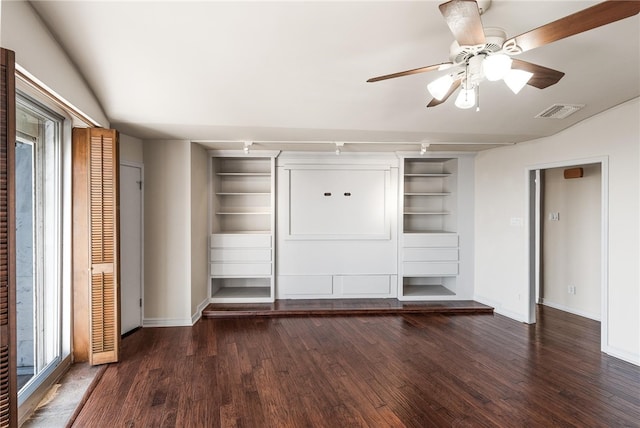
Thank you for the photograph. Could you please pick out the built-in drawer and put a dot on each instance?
(432, 240)
(240, 269)
(240, 240)
(296, 285)
(361, 284)
(429, 254)
(240, 255)
(429, 268)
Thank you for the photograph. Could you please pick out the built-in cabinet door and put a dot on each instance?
(338, 202)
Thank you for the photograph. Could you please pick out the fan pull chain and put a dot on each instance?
(466, 89)
(477, 97)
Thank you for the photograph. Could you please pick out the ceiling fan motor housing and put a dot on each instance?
(494, 38)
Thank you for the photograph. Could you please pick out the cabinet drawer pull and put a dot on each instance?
(347, 193)
(327, 193)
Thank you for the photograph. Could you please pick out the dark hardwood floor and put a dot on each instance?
(376, 371)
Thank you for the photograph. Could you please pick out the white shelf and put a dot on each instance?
(240, 211)
(244, 174)
(242, 295)
(445, 174)
(247, 232)
(445, 232)
(242, 193)
(427, 213)
(428, 194)
(427, 290)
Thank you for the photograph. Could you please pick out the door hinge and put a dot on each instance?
(139, 184)
(140, 302)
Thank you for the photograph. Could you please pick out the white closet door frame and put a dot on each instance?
(139, 166)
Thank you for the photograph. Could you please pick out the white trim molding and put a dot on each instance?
(166, 322)
(604, 241)
(195, 317)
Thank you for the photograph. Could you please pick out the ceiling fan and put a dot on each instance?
(485, 53)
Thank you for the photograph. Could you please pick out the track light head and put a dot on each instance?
(247, 145)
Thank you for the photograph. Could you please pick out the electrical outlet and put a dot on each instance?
(571, 289)
(554, 216)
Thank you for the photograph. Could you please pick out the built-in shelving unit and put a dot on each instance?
(242, 194)
(429, 253)
(428, 186)
(242, 220)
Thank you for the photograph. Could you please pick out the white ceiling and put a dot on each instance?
(297, 71)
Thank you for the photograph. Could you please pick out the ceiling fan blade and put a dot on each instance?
(454, 86)
(442, 66)
(542, 76)
(463, 19)
(579, 22)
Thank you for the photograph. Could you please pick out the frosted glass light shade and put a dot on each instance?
(516, 79)
(439, 87)
(466, 98)
(496, 66)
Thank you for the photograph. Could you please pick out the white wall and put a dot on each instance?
(571, 243)
(501, 188)
(199, 229)
(167, 233)
(131, 149)
(175, 232)
(23, 31)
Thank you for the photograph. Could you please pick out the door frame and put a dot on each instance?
(140, 166)
(534, 217)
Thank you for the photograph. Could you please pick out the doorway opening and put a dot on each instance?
(568, 239)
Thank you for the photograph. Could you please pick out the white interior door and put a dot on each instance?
(130, 247)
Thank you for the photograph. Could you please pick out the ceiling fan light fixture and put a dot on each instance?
(496, 66)
(466, 98)
(439, 87)
(516, 79)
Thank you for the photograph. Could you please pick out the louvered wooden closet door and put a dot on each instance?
(96, 327)
(8, 373)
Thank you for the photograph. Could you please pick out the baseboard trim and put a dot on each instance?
(166, 322)
(627, 356)
(573, 311)
(498, 309)
(195, 317)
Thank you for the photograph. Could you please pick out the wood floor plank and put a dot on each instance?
(411, 370)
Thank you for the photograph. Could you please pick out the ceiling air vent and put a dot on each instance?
(559, 111)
